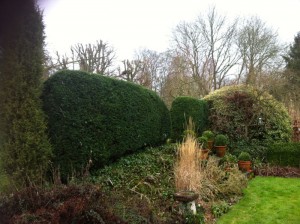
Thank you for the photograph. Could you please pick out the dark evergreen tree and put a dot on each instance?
(24, 147)
(292, 73)
(293, 58)
(293, 63)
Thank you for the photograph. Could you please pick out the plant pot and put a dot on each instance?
(210, 145)
(244, 165)
(204, 154)
(220, 150)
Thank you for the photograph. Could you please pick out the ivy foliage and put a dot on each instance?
(182, 109)
(99, 119)
(246, 113)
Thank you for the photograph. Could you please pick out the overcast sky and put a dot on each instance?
(129, 25)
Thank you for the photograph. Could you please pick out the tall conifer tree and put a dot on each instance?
(293, 58)
(24, 147)
(292, 73)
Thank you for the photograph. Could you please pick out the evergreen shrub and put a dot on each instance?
(25, 149)
(184, 107)
(244, 156)
(284, 154)
(97, 118)
(221, 140)
(245, 113)
(209, 135)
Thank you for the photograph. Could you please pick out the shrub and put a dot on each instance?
(209, 135)
(62, 204)
(216, 181)
(229, 159)
(92, 117)
(257, 149)
(183, 108)
(220, 208)
(277, 171)
(221, 140)
(24, 145)
(203, 142)
(284, 154)
(244, 156)
(243, 112)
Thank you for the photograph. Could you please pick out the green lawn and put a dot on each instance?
(267, 200)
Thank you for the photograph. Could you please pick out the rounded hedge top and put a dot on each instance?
(182, 109)
(243, 112)
(92, 117)
(209, 135)
(244, 156)
(221, 140)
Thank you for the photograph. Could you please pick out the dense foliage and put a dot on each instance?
(246, 113)
(24, 146)
(182, 109)
(292, 73)
(293, 59)
(284, 154)
(148, 190)
(95, 119)
(60, 204)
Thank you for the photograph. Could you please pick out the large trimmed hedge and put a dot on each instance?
(246, 113)
(100, 118)
(184, 107)
(284, 154)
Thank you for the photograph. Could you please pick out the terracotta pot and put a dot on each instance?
(204, 154)
(210, 144)
(221, 150)
(244, 165)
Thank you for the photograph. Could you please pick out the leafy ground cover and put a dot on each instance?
(138, 188)
(143, 186)
(267, 200)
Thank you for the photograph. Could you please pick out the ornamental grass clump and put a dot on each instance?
(216, 182)
(187, 168)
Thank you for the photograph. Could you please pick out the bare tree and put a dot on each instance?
(130, 70)
(219, 36)
(177, 82)
(94, 58)
(152, 68)
(147, 69)
(190, 44)
(207, 44)
(259, 49)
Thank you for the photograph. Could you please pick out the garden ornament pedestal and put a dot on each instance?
(187, 198)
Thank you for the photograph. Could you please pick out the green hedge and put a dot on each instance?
(100, 118)
(246, 113)
(184, 107)
(284, 154)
